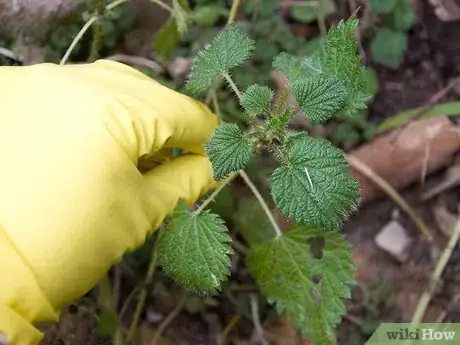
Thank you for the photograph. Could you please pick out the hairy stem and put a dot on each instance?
(143, 294)
(440, 265)
(163, 5)
(261, 201)
(233, 86)
(213, 195)
(233, 12)
(281, 102)
(85, 28)
(97, 31)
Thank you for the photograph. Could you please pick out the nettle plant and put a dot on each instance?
(307, 271)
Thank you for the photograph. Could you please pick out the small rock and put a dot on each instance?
(394, 240)
(153, 317)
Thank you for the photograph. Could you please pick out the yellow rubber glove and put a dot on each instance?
(72, 200)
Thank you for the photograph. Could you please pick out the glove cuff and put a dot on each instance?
(17, 330)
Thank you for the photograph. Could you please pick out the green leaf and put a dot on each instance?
(402, 17)
(257, 100)
(229, 49)
(371, 80)
(308, 274)
(292, 67)
(383, 6)
(167, 38)
(208, 16)
(341, 60)
(401, 119)
(265, 50)
(180, 16)
(108, 323)
(275, 126)
(228, 150)
(252, 222)
(388, 47)
(319, 97)
(195, 250)
(316, 188)
(306, 14)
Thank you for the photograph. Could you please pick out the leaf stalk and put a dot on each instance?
(85, 28)
(233, 86)
(261, 201)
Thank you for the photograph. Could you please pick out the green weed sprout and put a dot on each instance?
(307, 271)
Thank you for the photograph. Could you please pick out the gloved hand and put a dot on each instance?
(72, 200)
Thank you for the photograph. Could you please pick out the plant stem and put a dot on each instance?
(233, 86)
(233, 12)
(213, 195)
(281, 102)
(215, 103)
(107, 303)
(144, 290)
(97, 31)
(172, 315)
(440, 265)
(163, 5)
(85, 28)
(261, 201)
(256, 319)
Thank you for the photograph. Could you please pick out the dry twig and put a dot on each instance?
(392, 193)
(259, 331)
(441, 264)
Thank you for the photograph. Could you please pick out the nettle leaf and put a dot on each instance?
(275, 126)
(228, 49)
(341, 60)
(337, 58)
(402, 17)
(195, 250)
(228, 150)
(388, 47)
(320, 97)
(316, 188)
(290, 66)
(257, 100)
(308, 274)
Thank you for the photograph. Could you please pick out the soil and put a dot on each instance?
(432, 59)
